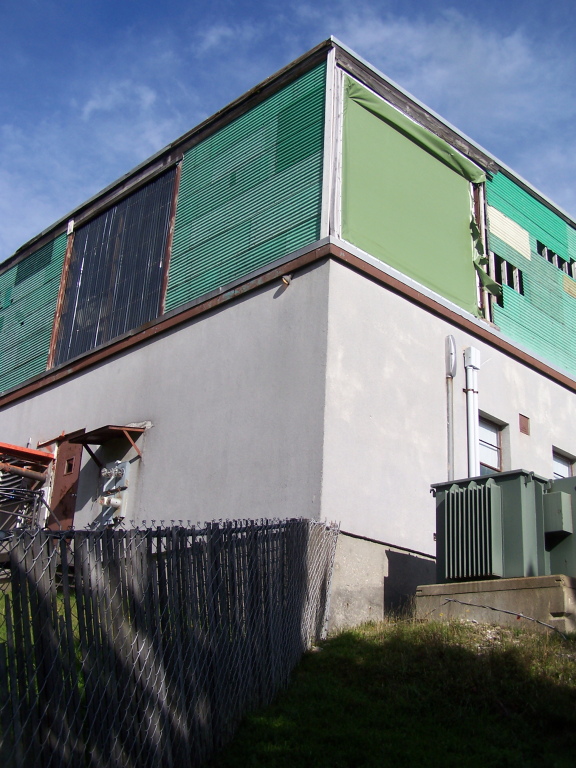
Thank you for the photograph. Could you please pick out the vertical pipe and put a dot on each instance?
(472, 366)
(450, 373)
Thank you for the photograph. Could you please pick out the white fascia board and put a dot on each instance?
(329, 145)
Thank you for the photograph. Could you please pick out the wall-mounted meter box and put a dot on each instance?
(114, 483)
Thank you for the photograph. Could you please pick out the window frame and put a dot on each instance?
(505, 273)
(560, 457)
(568, 266)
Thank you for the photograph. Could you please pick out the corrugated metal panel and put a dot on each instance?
(115, 278)
(543, 319)
(29, 292)
(251, 192)
(473, 532)
(518, 205)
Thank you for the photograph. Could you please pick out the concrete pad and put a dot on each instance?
(372, 580)
(549, 599)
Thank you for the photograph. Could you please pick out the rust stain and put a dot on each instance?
(60, 300)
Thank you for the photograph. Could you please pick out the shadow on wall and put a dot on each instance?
(405, 573)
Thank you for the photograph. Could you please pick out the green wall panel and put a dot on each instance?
(544, 318)
(521, 207)
(406, 207)
(29, 292)
(251, 192)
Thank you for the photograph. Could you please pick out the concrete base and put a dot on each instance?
(551, 599)
(372, 580)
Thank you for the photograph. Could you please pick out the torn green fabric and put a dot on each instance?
(417, 133)
(476, 237)
(480, 262)
(487, 282)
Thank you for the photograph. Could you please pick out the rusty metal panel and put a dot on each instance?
(28, 294)
(65, 485)
(114, 280)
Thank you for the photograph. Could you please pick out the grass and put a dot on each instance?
(408, 694)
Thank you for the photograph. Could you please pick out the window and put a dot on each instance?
(507, 274)
(490, 448)
(562, 466)
(114, 281)
(568, 267)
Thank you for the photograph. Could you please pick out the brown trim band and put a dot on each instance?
(164, 324)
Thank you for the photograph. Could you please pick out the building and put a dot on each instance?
(268, 319)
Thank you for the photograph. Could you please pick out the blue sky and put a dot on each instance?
(90, 89)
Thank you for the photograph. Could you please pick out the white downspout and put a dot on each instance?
(451, 360)
(472, 366)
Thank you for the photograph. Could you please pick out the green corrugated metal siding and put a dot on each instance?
(251, 192)
(525, 210)
(29, 292)
(544, 318)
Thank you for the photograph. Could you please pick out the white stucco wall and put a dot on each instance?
(236, 399)
(385, 419)
(324, 399)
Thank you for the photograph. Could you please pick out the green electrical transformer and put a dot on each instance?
(505, 525)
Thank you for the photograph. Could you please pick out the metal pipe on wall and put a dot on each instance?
(451, 367)
(472, 366)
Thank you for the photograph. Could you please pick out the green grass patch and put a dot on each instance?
(409, 694)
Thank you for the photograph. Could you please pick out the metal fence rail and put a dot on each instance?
(146, 647)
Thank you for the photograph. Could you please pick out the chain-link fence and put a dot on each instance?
(146, 647)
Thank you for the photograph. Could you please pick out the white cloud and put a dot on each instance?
(455, 63)
(215, 37)
(119, 96)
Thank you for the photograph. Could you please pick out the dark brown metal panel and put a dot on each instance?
(524, 424)
(65, 486)
(108, 432)
(115, 271)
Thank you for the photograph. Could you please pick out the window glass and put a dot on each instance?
(490, 447)
(561, 466)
